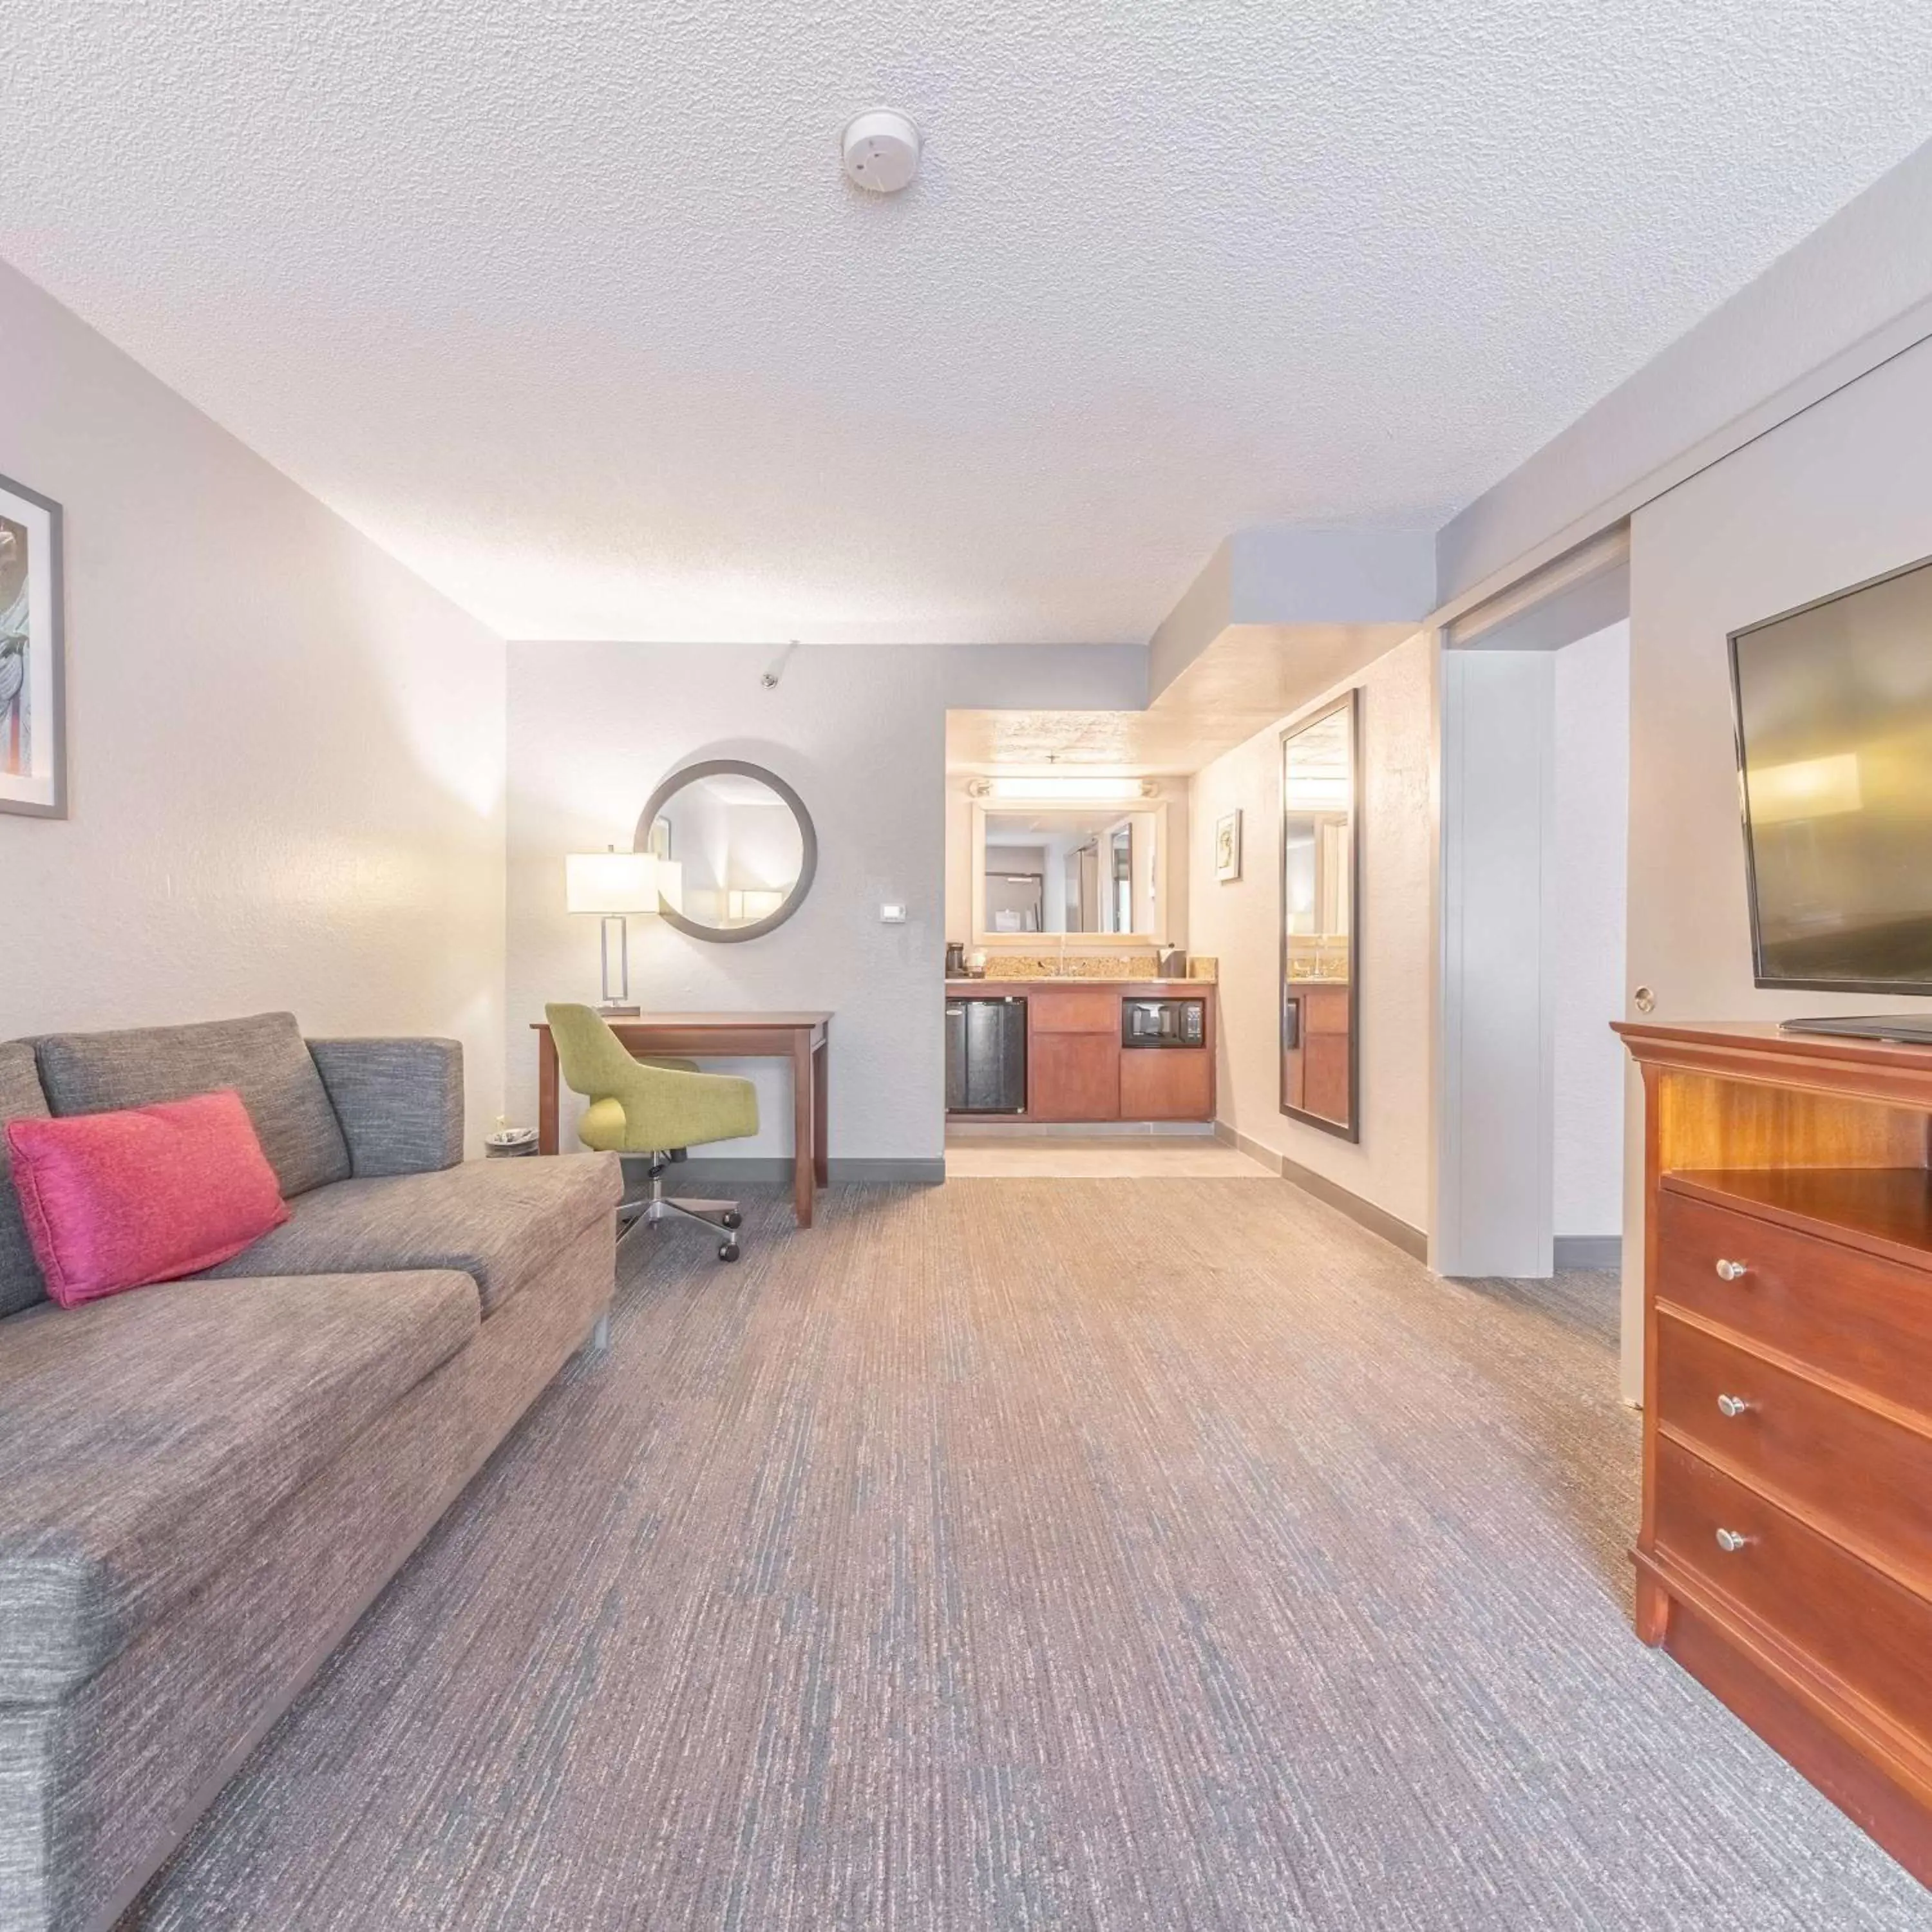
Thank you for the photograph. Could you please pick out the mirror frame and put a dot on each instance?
(685, 775)
(1350, 701)
(1089, 942)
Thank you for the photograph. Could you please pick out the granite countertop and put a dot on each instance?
(1070, 980)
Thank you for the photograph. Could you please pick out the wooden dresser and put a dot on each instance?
(1785, 1557)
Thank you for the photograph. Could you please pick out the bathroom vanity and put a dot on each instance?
(1066, 1050)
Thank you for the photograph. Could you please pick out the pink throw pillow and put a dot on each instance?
(120, 1200)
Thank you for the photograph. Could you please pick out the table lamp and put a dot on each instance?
(612, 885)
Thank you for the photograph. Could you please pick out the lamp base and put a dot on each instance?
(611, 1010)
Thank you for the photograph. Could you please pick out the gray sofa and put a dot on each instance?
(203, 1484)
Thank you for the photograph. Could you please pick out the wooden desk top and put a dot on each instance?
(1754, 1050)
(618, 1023)
(1766, 1036)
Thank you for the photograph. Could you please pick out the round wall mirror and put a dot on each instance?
(735, 847)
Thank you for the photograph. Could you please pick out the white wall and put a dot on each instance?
(1494, 1192)
(1591, 811)
(285, 751)
(1237, 924)
(860, 733)
(1839, 493)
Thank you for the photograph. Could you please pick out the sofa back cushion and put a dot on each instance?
(125, 1199)
(264, 1059)
(20, 1099)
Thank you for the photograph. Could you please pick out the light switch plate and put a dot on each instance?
(892, 915)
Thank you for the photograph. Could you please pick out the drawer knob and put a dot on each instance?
(1730, 1541)
(1732, 1405)
(1732, 1270)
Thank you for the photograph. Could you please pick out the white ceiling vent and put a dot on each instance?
(882, 150)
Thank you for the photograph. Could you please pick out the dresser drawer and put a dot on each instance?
(1834, 1308)
(1856, 1473)
(1079, 1009)
(1861, 1627)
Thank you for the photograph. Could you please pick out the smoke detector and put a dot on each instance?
(881, 150)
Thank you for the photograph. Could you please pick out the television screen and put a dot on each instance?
(1834, 746)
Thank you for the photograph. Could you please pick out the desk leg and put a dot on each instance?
(804, 1111)
(821, 1143)
(546, 1093)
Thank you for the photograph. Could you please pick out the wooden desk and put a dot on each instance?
(801, 1038)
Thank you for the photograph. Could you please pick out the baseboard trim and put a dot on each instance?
(1379, 1221)
(1589, 1251)
(775, 1170)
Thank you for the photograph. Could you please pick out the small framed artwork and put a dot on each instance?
(33, 728)
(1228, 846)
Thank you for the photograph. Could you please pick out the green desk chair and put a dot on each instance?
(649, 1111)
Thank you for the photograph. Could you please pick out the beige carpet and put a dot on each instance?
(1099, 1157)
(1118, 1555)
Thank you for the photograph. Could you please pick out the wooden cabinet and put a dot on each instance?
(1316, 1069)
(1078, 1070)
(1073, 1076)
(1094, 1010)
(1785, 1554)
(1168, 1083)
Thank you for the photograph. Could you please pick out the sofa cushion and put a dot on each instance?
(264, 1059)
(146, 1436)
(20, 1099)
(499, 1221)
(118, 1201)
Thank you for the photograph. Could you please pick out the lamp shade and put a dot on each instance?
(611, 882)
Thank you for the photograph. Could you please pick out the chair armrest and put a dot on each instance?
(399, 1102)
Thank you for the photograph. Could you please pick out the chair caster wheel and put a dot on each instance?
(731, 1218)
(727, 1251)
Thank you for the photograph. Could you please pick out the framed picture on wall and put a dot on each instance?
(33, 728)
(1228, 846)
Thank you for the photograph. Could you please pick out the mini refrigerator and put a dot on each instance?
(985, 1056)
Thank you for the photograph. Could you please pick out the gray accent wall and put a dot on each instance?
(859, 732)
(285, 750)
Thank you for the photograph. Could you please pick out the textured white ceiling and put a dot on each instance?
(569, 305)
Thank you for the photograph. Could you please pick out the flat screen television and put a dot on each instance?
(1834, 714)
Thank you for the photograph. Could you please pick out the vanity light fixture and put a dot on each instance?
(1066, 788)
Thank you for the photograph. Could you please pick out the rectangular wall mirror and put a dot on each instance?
(1321, 898)
(1100, 871)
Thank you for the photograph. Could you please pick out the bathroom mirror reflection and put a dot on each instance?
(1321, 879)
(736, 849)
(1098, 871)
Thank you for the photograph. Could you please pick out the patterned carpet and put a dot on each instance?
(1098, 1555)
